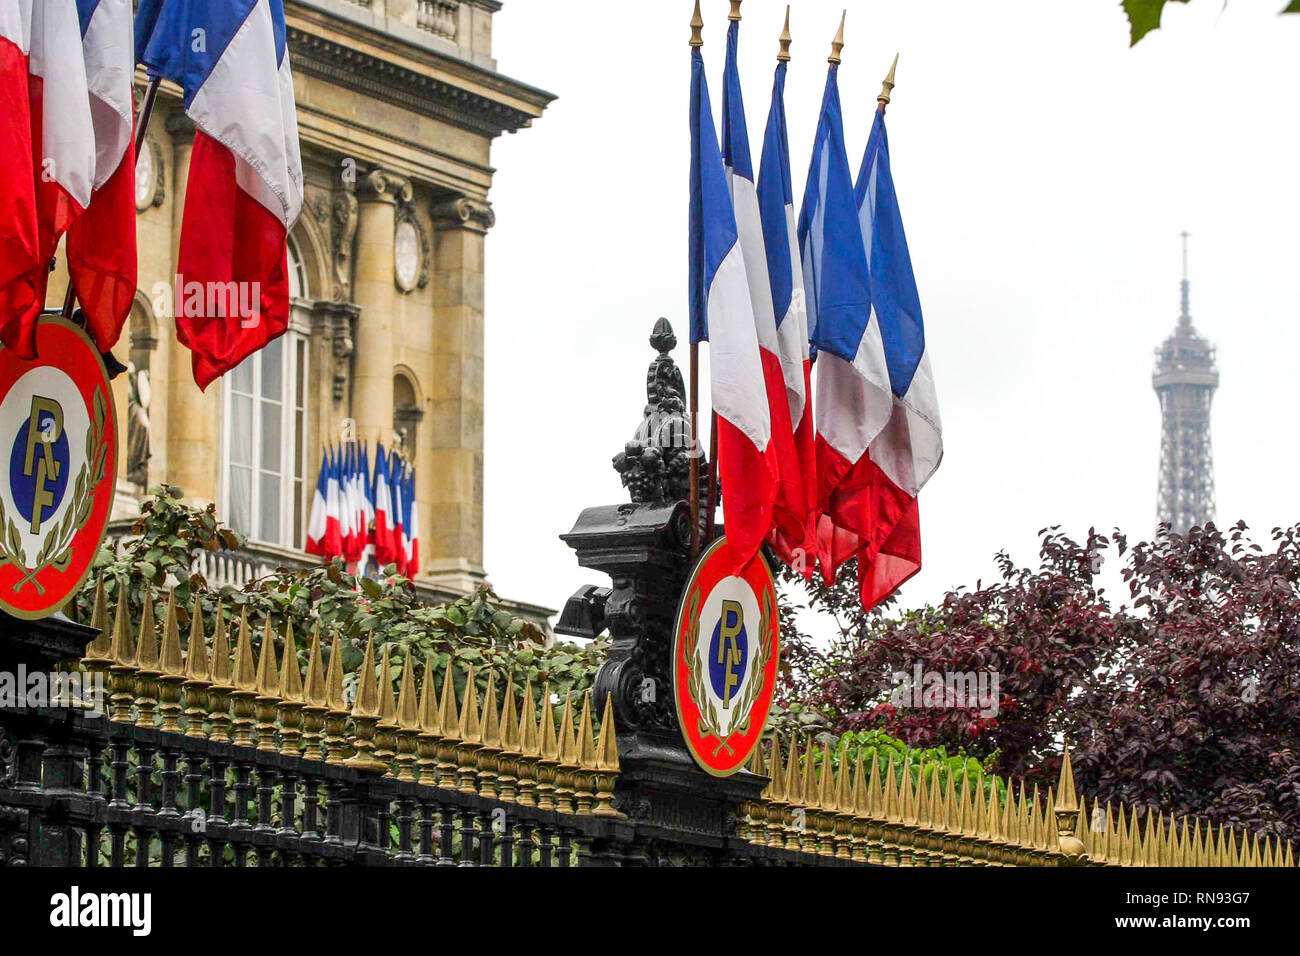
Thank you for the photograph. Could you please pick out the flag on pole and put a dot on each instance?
(789, 512)
(101, 246)
(352, 539)
(910, 448)
(22, 270)
(412, 527)
(722, 314)
(368, 502)
(317, 524)
(397, 466)
(62, 133)
(796, 503)
(245, 180)
(385, 553)
(853, 400)
(333, 525)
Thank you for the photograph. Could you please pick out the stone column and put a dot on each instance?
(375, 293)
(192, 421)
(452, 545)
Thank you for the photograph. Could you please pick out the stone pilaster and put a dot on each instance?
(375, 293)
(452, 534)
(193, 422)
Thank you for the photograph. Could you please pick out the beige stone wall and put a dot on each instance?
(396, 125)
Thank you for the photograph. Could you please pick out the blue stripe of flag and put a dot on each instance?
(713, 222)
(775, 193)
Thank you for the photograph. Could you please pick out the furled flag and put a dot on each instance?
(352, 543)
(101, 242)
(412, 527)
(333, 523)
(789, 511)
(22, 270)
(245, 179)
(396, 472)
(909, 449)
(63, 136)
(368, 516)
(722, 314)
(318, 523)
(796, 501)
(385, 553)
(853, 401)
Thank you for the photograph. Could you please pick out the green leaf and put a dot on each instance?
(1292, 7)
(1144, 16)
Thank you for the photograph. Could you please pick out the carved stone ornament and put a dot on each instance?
(150, 176)
(383, 185)
(343, 234)
(463, 212)
(411, 252)
(337, 320)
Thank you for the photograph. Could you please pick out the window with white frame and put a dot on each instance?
(264, 443)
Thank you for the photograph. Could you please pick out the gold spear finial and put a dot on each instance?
(697, 27)
(784, 55)
(888, 86)
(837, 45)
(735, 11)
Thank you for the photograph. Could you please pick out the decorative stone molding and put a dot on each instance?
(180, 127)
(381, 185)
(463, 212)
(344, 216)
(412, 253)
(150, 176)
(338, 321)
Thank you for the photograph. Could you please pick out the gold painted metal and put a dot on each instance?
(784, 55)
(121, 672)
(315, 706)
(567, 759)
(197, 671)
(735, 11)
(365, 716)
(335, 740)
(508, 758)
(837, 45)
(887, 87)
(267, 699)
(448, 724)
(245, 687)
(529, 750)
(386, 726)
(697, 26)
(172, 667)
(292, 705)
(222, 675)
(408, 724)
(426, 741)
(147, 668)
(469, 735)
(485, 760)
(584, 783)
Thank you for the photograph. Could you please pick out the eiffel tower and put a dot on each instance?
(1185, 380)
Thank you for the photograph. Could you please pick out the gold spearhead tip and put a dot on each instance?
(735, 11)
(697, 27)
(784, 55)
(888, 86)
(837, 45)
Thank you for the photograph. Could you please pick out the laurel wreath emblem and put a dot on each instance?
(56, 552)
(711, 716)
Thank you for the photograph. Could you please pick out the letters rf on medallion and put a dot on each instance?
(726, 652)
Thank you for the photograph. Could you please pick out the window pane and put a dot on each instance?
(241, 430)
(268, 525)
(298, 539)
(241, 379)
(273, 370)
(301, 390)
(271, 431)
(241, 491)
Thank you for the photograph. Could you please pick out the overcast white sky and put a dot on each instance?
(1044, 171)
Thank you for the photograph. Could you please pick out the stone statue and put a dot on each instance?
(139, 434)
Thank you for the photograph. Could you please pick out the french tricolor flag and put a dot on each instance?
(245, 181)
(412, 527)
(318, 523)
(793, 533)
(62, 134)
(22, 270)
(722, 313)
(789, 512)
(385, 552)
(334, 531)
(853, 402)
(101, 247)
(910, 448)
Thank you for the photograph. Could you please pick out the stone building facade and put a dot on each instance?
(398, 104)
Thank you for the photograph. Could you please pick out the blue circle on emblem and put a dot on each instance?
(728, 652)
(23, 485)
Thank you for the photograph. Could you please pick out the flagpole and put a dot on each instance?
(141, 128)
(697, 41)
(887, 87)
(713, 476)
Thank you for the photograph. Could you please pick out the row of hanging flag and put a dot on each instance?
(67, 135)
(359, 515)
(826, 416)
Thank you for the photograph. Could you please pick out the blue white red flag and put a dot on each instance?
(853, 402)
(908, 451)
(22, 270)
(412, 527)
(245, 180)
(101, 248)
(793, 532)
(333, 508)
(722, 313)
(396, 470)
(790, 522)
(385, 553)
(317, 523)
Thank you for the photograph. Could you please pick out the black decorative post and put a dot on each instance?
(644, 546)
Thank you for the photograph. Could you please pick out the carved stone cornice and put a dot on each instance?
(462, 212)
(382, 185)
(393, 83)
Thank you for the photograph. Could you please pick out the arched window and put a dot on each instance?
(264, 455)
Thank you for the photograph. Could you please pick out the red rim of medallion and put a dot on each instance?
(64, 346)
(711, 568)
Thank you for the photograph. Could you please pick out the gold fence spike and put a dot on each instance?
(826, 780)
(447, 724)
(1289, 860)
(386, 725)
(408, 723)
(426, 743)
(171, 666)
(147, 667)
(197, 675)
(567, 759)
(335, 741)
(891, 803)
(487, 757)
(607, 766)
(315, 696)
(221, 673)
(121, 672)
(510, 755)
(585, 758)
(529, 750)
(468, 734)
(809, 774)
(793, 788)
(548, 753)
(268, 685)
(365, 715)
(291, 704)
(99, 650)
(245, 686)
